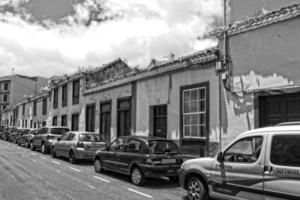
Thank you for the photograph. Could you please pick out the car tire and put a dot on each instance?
(196, 189)
(98, 167)
(53, 153)
(72, 158)
(27, 145)
(32, 146)
(137, 176)
(43, 149)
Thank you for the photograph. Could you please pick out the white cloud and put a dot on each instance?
(145, 30)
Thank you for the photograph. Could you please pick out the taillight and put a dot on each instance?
(80, 144)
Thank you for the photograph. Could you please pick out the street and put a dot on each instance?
(26, 174)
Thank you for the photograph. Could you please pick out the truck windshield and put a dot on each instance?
(162, 146)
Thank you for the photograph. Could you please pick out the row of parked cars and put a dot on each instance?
(137, 156)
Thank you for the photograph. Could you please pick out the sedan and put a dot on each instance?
(77, 145)
(26, 137)
(140, 158)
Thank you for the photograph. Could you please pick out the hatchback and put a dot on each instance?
(77, 146)
(140, 158)
(25, 138)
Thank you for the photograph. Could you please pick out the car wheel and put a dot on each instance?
(32, 146)
(137, 177)
(98, 166)
(27, 144)
(72, 158)
(43, 149)
(196, 189)
(53, 153)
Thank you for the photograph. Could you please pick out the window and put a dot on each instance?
(64, 136)
(90, 118)
(105, 120)
(124, 117)
(194, 112)
(44, 106)
(162, 147)
(246, 150)
(86, 137)
(44, 123)
(54, 121)
(70, 137)
(133, 146)
(160, 121)
(5, 98)
(285, 150)
(76, 91)
(64, 95)
(117, 145)
(64, 120)
(34, 108)
(75, 122)
(5, 86)
(23, 109)
(55, 98)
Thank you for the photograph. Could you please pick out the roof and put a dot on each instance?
(199, 59)
(266, 130)
(283, 14)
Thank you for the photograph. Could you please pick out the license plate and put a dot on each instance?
(168, 161)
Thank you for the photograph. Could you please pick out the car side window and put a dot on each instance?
(64, 137)
(285, 150)
(70, 137)
(117, 145)
(133, 146)
(245, 150)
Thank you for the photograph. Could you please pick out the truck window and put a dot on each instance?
(245, 150)
(285, 150)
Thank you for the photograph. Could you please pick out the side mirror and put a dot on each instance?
(220, 157)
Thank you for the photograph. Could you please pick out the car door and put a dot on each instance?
(67, 144)
(131, 153)
(282, 167)
(60, 144)
(38, 139)
(240, 173)
(111, 156)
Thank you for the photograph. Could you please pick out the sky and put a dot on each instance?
(49, 37)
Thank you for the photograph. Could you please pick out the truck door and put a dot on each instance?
(282, 166)
(240, 175)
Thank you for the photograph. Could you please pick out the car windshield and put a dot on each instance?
(85, 137)
(59, 131)
(162, 146)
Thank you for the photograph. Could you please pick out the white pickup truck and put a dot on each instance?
(260, 164)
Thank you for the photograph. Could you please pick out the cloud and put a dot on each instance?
(143, 30)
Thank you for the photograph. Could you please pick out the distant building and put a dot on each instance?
(13, 89)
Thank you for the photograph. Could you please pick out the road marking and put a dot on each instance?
(55, 162)
(92, 187)
(77, 170)
(44, 157)
(102, 179)
(140, 193)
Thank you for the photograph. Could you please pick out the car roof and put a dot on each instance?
(55, 127)
(267, 130)
(145, 138)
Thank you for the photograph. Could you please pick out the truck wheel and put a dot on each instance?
(137, 177)
(196, 189)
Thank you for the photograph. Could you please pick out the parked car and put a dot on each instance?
(140, 157)
(14, 133)
(46, 137)
(26, 137)
(259, 164)
(77, 146)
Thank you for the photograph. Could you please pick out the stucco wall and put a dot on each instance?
(111, 94)
(261, 59)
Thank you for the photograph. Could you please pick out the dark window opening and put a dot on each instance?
(64, 95)
(23, 109)
(54, 121)
(124, 117)
(64, 120)
(90, 118)
(34, 108)
(75, 122)
(5, 98)
(44, 106)
(75, 92)
(5, 86)
(55, 98)
(105, 121)
(160, 121)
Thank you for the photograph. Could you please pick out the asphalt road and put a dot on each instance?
(30, 175)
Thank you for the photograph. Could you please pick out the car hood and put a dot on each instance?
(205, 163)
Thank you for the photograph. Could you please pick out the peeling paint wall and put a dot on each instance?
(261, 59)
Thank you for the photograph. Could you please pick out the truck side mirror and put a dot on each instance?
(220, 157)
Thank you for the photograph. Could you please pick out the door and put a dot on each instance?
(124, 117)
(111, 156)
(282, 168)
(160, 121)
(60, 144)
(90, 118)
(240, 175)
(105, 121)
(279, 108)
